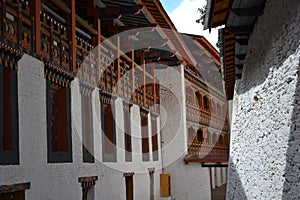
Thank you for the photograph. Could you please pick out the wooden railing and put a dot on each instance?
(130, 85)
(207, 153)
(16, 24)
(205, 117)
(56, 47)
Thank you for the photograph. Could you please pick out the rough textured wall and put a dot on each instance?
(265, 135)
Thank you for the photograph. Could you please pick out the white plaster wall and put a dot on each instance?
(264, 161)
(213, 178)
(188, 182)
(60, 180)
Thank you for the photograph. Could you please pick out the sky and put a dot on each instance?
(184, 14)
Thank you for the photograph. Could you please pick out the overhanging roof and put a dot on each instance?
(239, 17)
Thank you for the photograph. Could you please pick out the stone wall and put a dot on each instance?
(264, 157)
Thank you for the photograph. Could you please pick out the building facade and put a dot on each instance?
(81, 120)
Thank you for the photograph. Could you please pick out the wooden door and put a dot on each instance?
(129, 187)
(20, 195)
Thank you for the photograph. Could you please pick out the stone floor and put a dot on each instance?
(219, 193)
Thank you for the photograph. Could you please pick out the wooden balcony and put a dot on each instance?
(52, 32)
(207, 153)
(16, 25)
(205, 117)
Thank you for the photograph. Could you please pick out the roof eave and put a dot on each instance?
(208, 15)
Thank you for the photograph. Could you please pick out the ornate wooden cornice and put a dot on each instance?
(58, 75)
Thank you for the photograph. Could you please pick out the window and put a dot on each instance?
(214, 138)
(87, 129)
(200, 136)
(127, 133)
(208, 138)
(221, 140)
(219, 109)
(199, 99)
(59, 123)
(109, 133)
(206, 102)
(145, 137)
(9, 123)
(154, 138)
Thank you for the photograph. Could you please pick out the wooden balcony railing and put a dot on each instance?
(65, 42)
(16, 24)
(206, 153)
(205, 117)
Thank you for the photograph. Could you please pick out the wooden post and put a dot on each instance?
(19, 25)
(99, 49)
(132, 74)
(118, 64)
(71, 24)
(154, 86)
(36, 23)
(144, 78)
(3, 19)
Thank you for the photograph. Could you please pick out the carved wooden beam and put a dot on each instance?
(118, 12)
(126, 28)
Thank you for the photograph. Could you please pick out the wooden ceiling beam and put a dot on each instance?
(170, 62)
(127, 28)
(118, 12)
(239, 29)
(247, 12)
(125, 10)
(109, 13)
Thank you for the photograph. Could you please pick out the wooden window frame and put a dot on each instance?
(145, 135)
(154, 138)
(108, 155)
(206, 103)
(127, 132)
(9, 153)
(65, 154)
(87, 129)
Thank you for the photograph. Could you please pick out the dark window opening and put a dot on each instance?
(199, 99)
(87, 129)
(109, 133)
(129, 186)
(59, 123)
(200, 136)
(206, 102)
(145, 137)
(154, 138)
(9, 122)
(127, 132)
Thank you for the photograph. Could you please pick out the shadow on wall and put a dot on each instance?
(235, 189)
(272, 38)
(291, 187)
